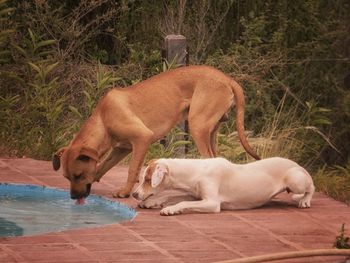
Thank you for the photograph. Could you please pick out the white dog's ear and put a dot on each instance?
(158, 175)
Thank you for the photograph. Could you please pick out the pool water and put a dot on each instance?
(30, 209)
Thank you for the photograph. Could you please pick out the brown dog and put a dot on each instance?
(130, 119)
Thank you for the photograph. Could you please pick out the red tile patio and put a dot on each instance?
(278, 227)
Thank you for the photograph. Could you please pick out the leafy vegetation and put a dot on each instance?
(58, 58)
(342, 242)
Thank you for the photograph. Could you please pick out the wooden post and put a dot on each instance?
(175, 52)
(175, 47)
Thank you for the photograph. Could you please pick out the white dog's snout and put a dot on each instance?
(137, 194)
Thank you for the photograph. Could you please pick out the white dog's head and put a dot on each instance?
(152, 180)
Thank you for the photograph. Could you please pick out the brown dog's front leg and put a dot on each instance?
(139, 151)
(114, 157)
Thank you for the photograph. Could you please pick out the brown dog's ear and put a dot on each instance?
(87, 153)
(56, 158)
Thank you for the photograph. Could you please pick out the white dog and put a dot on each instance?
(219, 184)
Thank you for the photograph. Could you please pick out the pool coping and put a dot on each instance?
(150, 237)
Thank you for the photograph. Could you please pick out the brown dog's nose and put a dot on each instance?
(135, 195)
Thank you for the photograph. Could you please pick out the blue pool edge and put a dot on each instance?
(132, 213)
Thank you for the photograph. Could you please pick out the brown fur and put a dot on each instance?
(130, 119)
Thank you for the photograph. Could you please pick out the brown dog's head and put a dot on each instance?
(79, 167)
(152, 180)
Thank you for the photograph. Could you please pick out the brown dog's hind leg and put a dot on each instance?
(202, 139)
(213, 143)
(204, 117)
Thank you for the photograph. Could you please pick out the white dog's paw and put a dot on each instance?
(169, 211)
(148, 205)
(304, 203)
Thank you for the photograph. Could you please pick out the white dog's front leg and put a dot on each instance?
(165, 199)
(154, 201)
(203, 206)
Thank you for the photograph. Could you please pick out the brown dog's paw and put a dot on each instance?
(122, 193)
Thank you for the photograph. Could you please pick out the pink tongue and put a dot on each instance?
(80, 201)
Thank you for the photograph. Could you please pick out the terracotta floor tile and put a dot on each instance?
(276, 227)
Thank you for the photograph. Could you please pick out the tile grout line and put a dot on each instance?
(311, 218)
(109, 184)
(82, 249)
(13, 254)
(22, 173)
(270, 233)
(216, 241)
(150, 243)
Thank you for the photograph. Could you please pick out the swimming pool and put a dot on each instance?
(31, 209)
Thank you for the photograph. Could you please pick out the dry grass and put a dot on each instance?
(334, 181)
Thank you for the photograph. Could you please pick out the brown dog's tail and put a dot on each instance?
(240, 105)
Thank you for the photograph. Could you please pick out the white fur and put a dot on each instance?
(220, 184)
